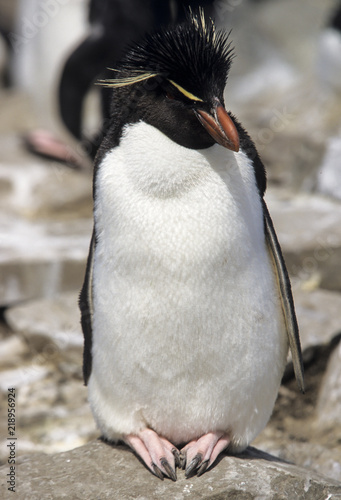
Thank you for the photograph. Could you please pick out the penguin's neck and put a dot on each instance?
(150, 185)
(159, 167)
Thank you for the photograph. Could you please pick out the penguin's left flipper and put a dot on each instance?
(86, 308)
(286, 297)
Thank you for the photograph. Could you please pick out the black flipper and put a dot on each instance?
(286, 297)
(86, 307)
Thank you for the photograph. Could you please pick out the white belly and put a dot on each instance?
(188, 335)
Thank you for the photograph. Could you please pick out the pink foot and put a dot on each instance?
(159, 455)
(43, 143)
(200, 454)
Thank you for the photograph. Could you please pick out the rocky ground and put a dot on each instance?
(45, 226)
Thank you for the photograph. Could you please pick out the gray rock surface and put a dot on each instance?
(50, 324)
(98, 470)
(42, 258)
(330, 178)
(325, 461)
(305, 429)
(33, 188)
(45, 225)
(328, 407)
(309, 230)
(298, 165)
(318, 315)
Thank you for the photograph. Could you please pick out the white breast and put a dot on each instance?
(188, 333)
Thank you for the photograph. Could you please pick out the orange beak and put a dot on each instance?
(220, 126)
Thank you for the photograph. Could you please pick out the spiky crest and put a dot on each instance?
(192, 56)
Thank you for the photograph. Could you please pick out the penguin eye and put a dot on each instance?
(176, 97)
(171, 93)
(170, 96)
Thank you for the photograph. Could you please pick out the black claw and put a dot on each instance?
(176, 457)
(157, 472)
(168, 468)
(202, 468)
(194, 464)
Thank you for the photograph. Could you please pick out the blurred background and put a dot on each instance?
(285, 88)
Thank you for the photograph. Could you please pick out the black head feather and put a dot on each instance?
(193, 55)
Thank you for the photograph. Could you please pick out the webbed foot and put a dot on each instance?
(159, 455)
(200, 454)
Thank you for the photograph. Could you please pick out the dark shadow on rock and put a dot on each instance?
(250, 453)
(120, 445)
(316, 354)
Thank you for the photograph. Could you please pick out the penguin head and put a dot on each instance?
(174, 79)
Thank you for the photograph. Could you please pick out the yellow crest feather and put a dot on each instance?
(185, 92)
(123, 82)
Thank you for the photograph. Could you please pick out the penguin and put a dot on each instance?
(113, 24)
(186, 306)
(328, 63)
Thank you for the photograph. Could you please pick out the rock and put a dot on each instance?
(298, 166)
(32, 188)
(42, 258)
(329, 180)
(328, 407)
(45, 225)
(52, 411)
(309, 230)
(50, 326)
(13, 349)
(297, 430)
(98, 470)
(325, 460)
(25, 375)
(318, 315)
(328, 59)
(58, 418)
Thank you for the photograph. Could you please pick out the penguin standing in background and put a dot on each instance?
(329, 52)
(187, 309)
(113, 24)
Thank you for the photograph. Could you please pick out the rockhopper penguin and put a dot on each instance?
(186, 306)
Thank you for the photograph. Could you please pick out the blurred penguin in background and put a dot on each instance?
(114, 25)
(329, 52)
